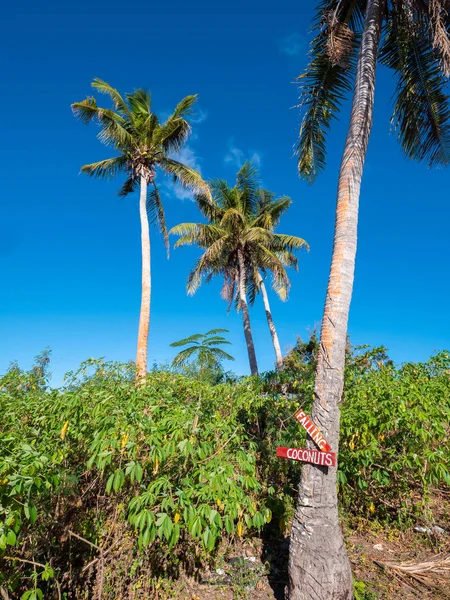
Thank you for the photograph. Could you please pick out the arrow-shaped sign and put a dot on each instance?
(313, 431)
(316, 457)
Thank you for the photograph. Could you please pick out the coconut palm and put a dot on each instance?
(269, 211)
(142, 144)
(240, 245)
(411, 38)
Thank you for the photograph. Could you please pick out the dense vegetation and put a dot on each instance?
(163, 476)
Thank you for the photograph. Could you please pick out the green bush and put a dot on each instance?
(182, 466)
(394, 433)
(174, 453)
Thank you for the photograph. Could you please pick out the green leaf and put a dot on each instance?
(229, 525)
(11, 538)
(109, 483)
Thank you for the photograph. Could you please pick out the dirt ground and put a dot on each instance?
(258, 573)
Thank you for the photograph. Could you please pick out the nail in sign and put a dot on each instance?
(316, 457)
(313, 431)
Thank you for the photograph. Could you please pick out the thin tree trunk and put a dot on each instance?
(319, 568)
(273, 331)
(144, 318)
(246, 316)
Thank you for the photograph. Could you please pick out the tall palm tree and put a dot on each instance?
(142, 144)
(410, 37)
(269, 211)
(239, 244)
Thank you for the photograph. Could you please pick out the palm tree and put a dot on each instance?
(203, 351)
(410, 37)
(142, 144)
(239, 244)
(269, 211)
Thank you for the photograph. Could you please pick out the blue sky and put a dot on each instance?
(70, 248)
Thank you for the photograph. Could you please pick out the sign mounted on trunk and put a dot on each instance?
(315, 457)
(313, 431)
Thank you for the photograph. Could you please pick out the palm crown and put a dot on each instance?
(415, 45)
(241, 220)
(142, 141)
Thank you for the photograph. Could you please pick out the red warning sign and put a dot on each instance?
(316, 457)
(313, 431)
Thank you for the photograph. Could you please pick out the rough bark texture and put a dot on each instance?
(144, 318)
(273, 331)
(319, 568)
(246, 316)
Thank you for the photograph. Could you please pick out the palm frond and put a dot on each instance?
(140, 104)
(220, 354)
(282, 241)
(155, 211)
(421, 111)
(209, 207)
(323, 87)
(104, 88)
(223, 195)
(194, 279)
(192, 339)
(184, 108)
(287, 258)
(217, 330)
(129, 186)
(260, 235)
(113, 126)
(146, 128)
(196, 233)
(270, 212)
(172, 134)
(232, 219)
(86, 110)
(182, 357)
(187, 176)
(105, 169)
(247, 184)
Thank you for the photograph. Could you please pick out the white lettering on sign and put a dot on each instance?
(316, 457)
(313, 431)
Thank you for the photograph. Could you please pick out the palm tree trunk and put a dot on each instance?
(246, 316)
(144, 318)
(273, 331)
(319, 568)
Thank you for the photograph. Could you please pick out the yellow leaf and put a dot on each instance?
(372, 507)
(124, 441)
(176, 518)
(64, 429)
(240, 529)
(219, 502)
(156, 466)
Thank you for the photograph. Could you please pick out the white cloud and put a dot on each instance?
(292, 44)
(237, 157)
(188, 157)
(199, 116)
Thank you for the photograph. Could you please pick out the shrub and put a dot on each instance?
(180, 465)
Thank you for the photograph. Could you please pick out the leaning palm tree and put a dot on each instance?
(142, 144)
(239, 244)
(411, 38)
